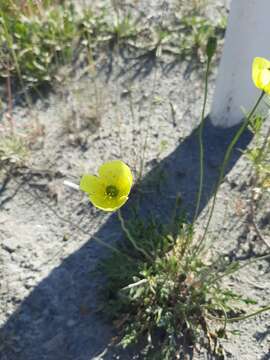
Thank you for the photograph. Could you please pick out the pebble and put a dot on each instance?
(11, 244)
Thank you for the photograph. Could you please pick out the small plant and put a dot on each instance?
(123, 29)
(196, 30)
(13, 150)
(185, 38)
(34, 44)
(172, 301)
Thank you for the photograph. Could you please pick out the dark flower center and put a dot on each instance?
(111, 191)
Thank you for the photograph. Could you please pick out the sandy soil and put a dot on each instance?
(48, 305)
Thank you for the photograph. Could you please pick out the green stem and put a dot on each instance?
(224, 164)
(244, 317)
(130, 238)
(108, 246)
(264, 257)
(225, 319)
(201, 141)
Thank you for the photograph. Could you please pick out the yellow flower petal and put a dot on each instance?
(261, 74)
(115, 169)
(124, 187)
(92, 185)
(265, 76)
(117, 173)
(107, 204)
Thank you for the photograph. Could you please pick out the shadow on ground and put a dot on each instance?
(58, 320)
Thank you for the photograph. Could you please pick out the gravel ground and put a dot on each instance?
(48, 305)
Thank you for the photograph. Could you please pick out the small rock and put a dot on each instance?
(11, 244)
(233, 184)
(141, 118)
(30, 283)
(17, 257)
(125, 92)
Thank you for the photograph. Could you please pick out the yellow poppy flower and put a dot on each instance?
(110, 190)
(261, 74)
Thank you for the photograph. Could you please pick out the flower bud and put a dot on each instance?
(211, 47)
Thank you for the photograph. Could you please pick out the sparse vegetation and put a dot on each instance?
(13, 150)
(164, 286)
(174, 300)
(34, 41)
(38, 39)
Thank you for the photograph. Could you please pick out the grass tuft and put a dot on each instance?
(172, 302)
(13, 150)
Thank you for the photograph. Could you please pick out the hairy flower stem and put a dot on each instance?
(199, 196)
(244, 317)
(130, 238)
(224, 164)
(247, 263)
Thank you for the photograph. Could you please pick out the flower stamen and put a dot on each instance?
(111, 191)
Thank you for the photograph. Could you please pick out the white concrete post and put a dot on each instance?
(247, 36)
